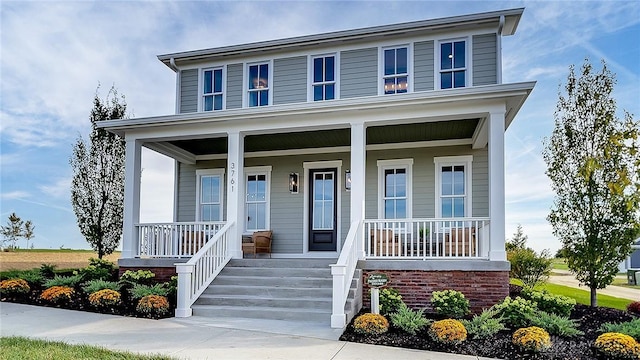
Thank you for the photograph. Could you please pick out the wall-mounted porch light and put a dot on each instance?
(293, 183)
(347, 180)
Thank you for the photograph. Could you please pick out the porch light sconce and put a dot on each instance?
(293, 183)
(347, 180)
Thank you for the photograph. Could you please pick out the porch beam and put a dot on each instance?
(496, 186)
(358, 168)
(235, 191)
(131, 214)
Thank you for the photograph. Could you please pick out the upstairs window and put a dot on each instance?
(324, 78)
(212, 89)
(453, 64)
(258, 85)
(396, 70)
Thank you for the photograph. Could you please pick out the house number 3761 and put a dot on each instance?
(232, 181)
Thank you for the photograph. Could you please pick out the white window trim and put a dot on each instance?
(201, 88)
(245, 82)
(383, 165)
(467, 68)
(464, 160)
(381, 67)
(210, 172)
(310, 82)
(258, 170)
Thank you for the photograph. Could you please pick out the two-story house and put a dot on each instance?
(376, 149)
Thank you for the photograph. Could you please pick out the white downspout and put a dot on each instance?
(499, 51)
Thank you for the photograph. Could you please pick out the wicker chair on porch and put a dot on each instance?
(260, 243)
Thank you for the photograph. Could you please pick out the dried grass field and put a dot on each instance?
(63, 259)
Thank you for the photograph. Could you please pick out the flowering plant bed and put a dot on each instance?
(94, 289)
(586, 333)
(500, 345)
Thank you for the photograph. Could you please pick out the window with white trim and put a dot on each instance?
(212, 89)
(210, 195)
(395, 189)
(323, 82)
(453, 186)
(395, 70)
(257, 206)
(453, 64)
(258, 84)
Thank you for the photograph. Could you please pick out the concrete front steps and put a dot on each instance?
(276, 289)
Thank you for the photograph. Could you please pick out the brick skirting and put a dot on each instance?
(482, 288)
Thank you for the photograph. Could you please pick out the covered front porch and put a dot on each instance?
(420, 139)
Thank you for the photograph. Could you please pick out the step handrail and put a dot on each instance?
(195, 275)
(342, 272)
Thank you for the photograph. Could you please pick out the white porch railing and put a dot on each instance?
(342, 272)
(174, 240)
(426, 238)
(196, 274)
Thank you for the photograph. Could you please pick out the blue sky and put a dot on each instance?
(54, 54)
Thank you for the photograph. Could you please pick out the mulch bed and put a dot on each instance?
(81, 303)
(499, 346)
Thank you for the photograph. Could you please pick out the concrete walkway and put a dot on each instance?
(565, 278)
(197, 338)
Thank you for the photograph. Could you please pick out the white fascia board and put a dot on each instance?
(332, 113)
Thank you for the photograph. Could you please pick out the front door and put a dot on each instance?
(322, 211)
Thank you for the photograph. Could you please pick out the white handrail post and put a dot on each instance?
(183, 306)
(338, 317)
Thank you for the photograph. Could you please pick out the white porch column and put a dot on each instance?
(496, 187)
(235, 191)
(131, 215)
(358, 168)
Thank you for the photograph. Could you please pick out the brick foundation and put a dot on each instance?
(163, 274)
(482, 288)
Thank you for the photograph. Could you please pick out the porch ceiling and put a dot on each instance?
(414, 132)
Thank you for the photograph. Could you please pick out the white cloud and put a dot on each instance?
(60, 188)
(15, 195)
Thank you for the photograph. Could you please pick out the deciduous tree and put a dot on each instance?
(97, 188)
(12, 232)
(594, 166)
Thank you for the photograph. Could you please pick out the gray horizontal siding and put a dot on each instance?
(359, 73)
(287, 210)
(423, 66)
(234, 86)
(290, 80)
(189, 91)
(186, 188)
(485, 66)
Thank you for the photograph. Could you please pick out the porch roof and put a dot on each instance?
(399, 109)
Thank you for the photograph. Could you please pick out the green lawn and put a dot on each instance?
(19, 348)
(582, 296)
(560, 264)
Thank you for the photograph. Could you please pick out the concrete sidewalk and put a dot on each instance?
(565, 278)
(197, 338)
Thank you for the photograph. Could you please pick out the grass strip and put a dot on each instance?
(581, 296)
(20, 348)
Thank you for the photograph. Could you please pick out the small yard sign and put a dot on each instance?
(377, 280)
